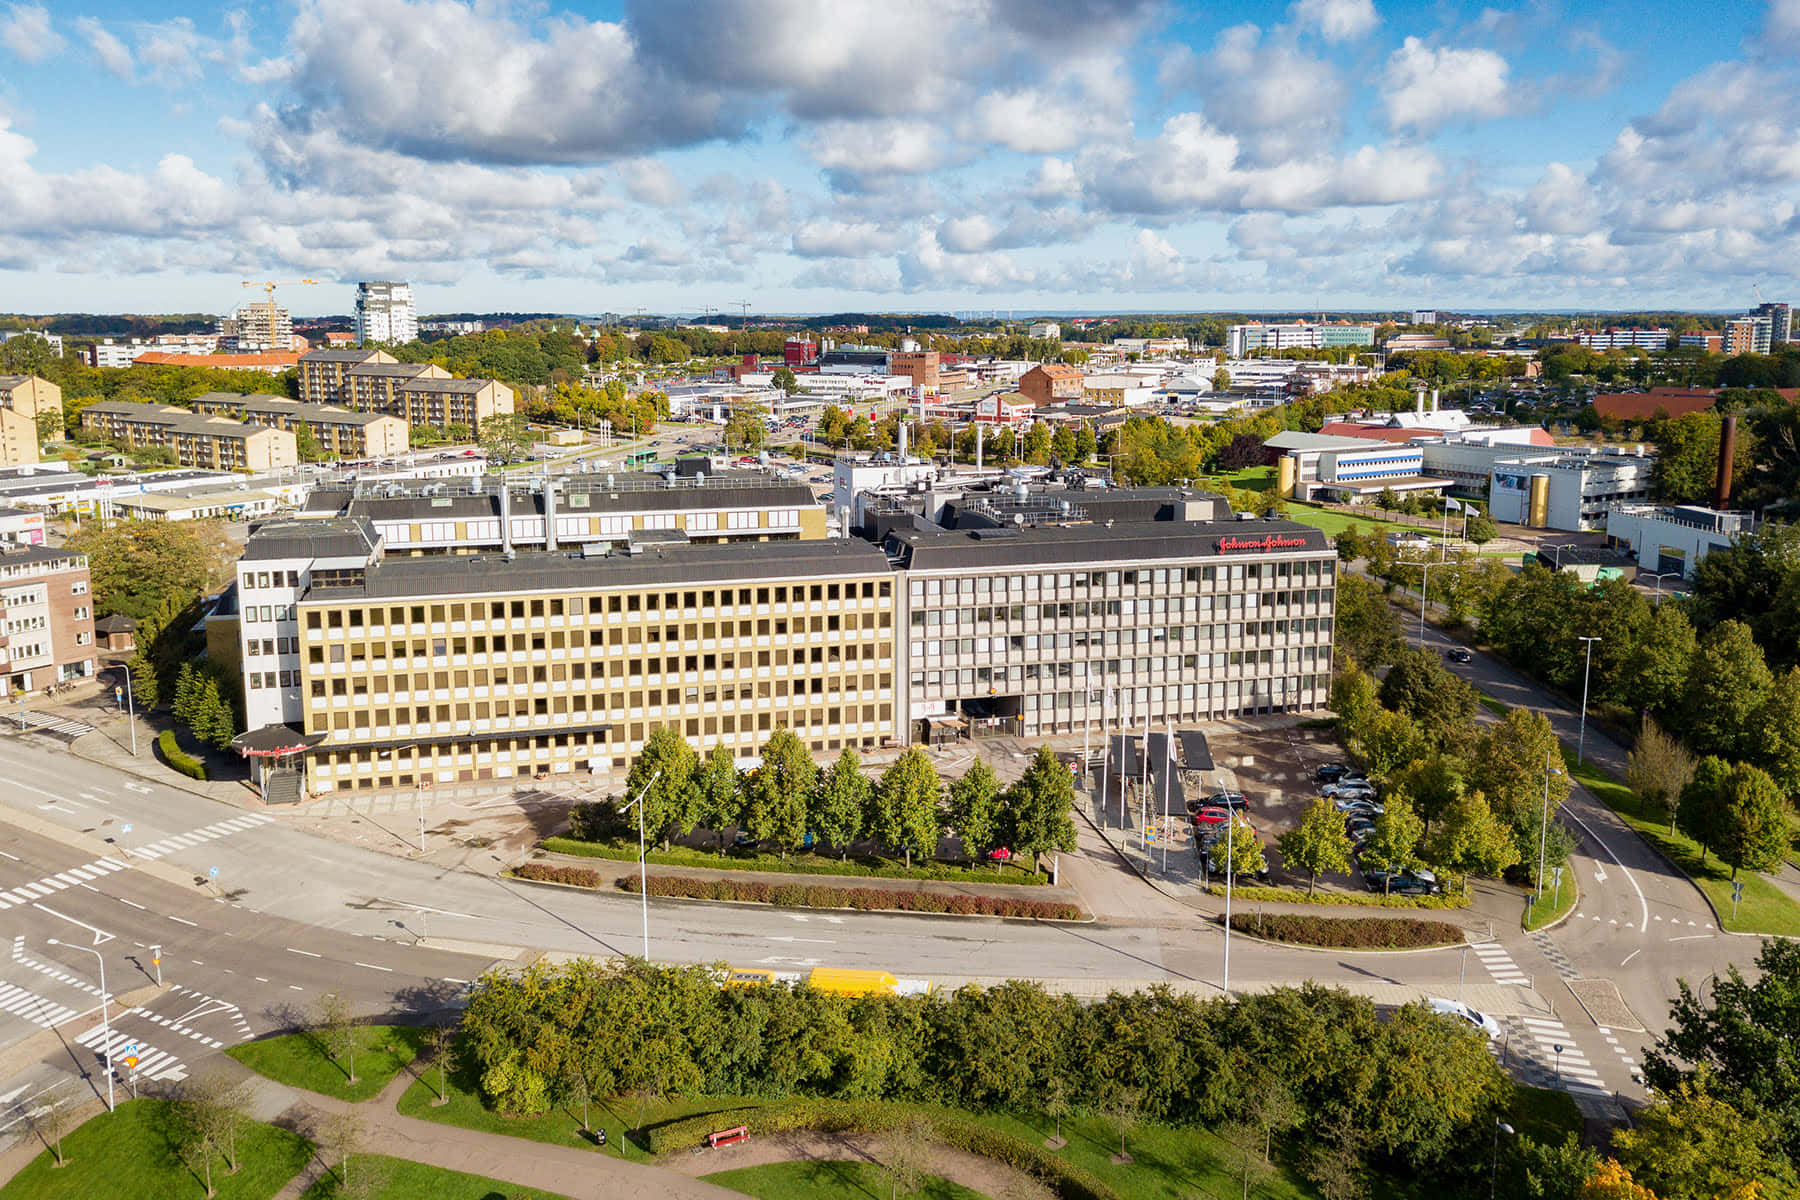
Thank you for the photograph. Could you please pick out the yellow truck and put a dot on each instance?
(843, 981)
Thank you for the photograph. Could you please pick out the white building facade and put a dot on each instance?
(385, 313)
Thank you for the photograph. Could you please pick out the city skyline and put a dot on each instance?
(1324, 155)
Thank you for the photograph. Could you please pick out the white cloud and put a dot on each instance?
(112, 53)
(27, 33)
(1280, 101)
(172, 52)
(1781, 25)
(648, 181)
(1336, 20)
(1425, 88)
(863, 147)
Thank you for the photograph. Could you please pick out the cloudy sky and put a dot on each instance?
(807, 155)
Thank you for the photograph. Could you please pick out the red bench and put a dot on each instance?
(728, 1137)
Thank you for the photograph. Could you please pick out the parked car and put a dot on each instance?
(1331, 772)
(1360, 790)
(1458, 654)
(1457, 1010)
(1358, 828)
(1361, 808)
(1210, 816)
(1215, 864)
(1419, 882)
(1234, 801)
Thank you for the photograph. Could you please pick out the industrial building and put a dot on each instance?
(1672, 539)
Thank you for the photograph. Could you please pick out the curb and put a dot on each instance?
(1090, 919)
(1573, 905)
(170, 778)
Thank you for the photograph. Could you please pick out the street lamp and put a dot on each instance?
(1586, 670)
(1660, 577)
(1559, 548)
(130, 710)
(1558, 1048)
(1544, 828)
(1500, 1127)
(1424, 579)
(643, 882)
(105, 1021)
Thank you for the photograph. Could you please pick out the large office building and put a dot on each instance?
(46, 617)
(1009, 613)
(385, 313)
(1671, 540)
(1294, 335)
(1623, 339)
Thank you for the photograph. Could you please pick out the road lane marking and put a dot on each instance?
(101, 937)
(1690, 937)
(185, 921)
(133, 903)
(1632, 955)
(1643, 904)
(308, 953)
(373, 967)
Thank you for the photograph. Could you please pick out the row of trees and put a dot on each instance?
(1735, 810)
(207, 701)
(787, 797)
(1716, 687)
(1348, 1091)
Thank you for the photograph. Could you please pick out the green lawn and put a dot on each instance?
(130, 1155)
(299, 1060)
(1765, 908)
(400, 1179)
(1539, 913)
(800, 863)
(560, 1127)
(1334, 522)
(829, 1181)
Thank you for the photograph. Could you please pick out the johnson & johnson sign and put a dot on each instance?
(1273, 541)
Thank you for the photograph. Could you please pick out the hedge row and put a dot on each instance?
(814, 895)
(1282, 895)
(1348, 933)
(551, 873)
(862, 865)
(1065, 1179)
(171, 753)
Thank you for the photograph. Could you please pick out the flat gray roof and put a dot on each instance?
(489, 574)
(1066, 545)
(330, 538)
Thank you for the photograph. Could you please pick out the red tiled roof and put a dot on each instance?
(239, 362)
(1642, 406)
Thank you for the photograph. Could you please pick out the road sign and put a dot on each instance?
(213, 872)
(131, 1047)
(124, 829)
(131, 1062)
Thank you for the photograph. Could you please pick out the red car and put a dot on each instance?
(1210, 816)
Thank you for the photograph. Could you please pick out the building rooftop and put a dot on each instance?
(324, 414)
(448, 385)
(1050, 546)
(1294, 440)
(652, 566)
(342, 356)
(333, 538)
(396, 370)
(12, 554)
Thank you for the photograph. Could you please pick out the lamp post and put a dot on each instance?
(1500, 1127)
(1544, 828)
(1424, 578)
(1559, 548)
(643, 882)
(105, 1021)
(130, 710)
(1660, 577)
(1586, 670)
(1230, 821)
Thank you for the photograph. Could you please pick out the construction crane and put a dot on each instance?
(269, 285)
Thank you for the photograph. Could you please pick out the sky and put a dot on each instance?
(899, 155)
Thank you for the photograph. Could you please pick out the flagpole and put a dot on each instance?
(1105, 754)
(1144, 789)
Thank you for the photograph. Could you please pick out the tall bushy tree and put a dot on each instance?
(1658, 768)
(721, 796)
(1442, 705)
(1703, 802)
(1726, 687)
(1507, 765)
(776, 793)
(1394, 845)
(1318, 843)
(906, 805)
(840, 802)
(1753, 831)
(1779, 721)
(975, 809)
(664, 773)
(1040, 807)
(1471, 840)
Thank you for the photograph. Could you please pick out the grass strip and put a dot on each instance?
(1554, 905)
(828, 1181)
(378, 1177)
(1765, 908)
(300, 1060)
(799, 863)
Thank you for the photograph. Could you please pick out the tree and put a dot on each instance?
(1040, 807)
(1221, 380)
(906, 805)
(1471, 840)
(785, 379)
(1481, 529)
(775, 793)
(50, 1120)
(748, 428)
(1691, 1145)
(975, 809)
(1611, 1181)
(1655, 671)
(1388, 740)
(1657, 769)
(1123, 1109)
(1727, 686)
(1056, 1104)
(1419, 687)
(306, 443)
(1353, 699)
(1687, 457)
(1393, 846)
(211, 1111)
(1779, 722)
(504, 436)
(144, 687)
(443, 1055)
(135, 566)
(840, 801)
(51, 426)
(905, 1153)
(1318, 843)
(1703, 803)
(1740, 1048)
(1753, 834)
(1508, 765)
(1368, 628)
(1243, 852)
(334, 1025)
(665, 776)
(721, 797)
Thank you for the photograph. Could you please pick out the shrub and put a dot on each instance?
(624, 849)
(1283, 895)
(178, 759)
(551, 873)
(816, 895)
(1349, 933)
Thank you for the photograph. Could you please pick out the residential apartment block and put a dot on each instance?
(196, 440)
(22, 399)
(260, 327)
(1052, 383)
(46, 617)
(1620, 339)
(340, 432)
(324, 373)
(385, 313)
(429, 400)
(421, 394)
(1255, 335)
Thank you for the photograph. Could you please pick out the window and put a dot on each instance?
(79, 587)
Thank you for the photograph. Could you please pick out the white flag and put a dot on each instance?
(1452, 504)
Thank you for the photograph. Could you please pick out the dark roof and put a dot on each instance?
(381, 368)
(447, 385)
(1120, 542)
(456, 575)
(334, 537)
(116, 623)
(1583, 556)
(11, 555)
(641, 493)
(349, 356)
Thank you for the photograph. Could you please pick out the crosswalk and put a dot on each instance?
(200, 1005)
(206, 833)
(1570, 1069)
(53, 970)
(29, 1006)
(1499, 963)
(114, 1044)
(44, 722)
(26, 893)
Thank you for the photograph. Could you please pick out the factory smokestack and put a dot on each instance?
(1727, 452)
